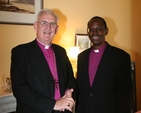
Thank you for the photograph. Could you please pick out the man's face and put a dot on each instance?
(46, 28)
(97, 32)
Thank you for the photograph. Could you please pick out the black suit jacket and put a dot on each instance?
(32, 81)
(111, 91)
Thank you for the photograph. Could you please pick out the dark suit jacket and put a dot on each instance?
(32, 82)
(111, 91)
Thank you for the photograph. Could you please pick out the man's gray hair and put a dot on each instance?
(49, 11)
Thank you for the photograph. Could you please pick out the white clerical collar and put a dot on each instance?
(96, 50)
(46, 46)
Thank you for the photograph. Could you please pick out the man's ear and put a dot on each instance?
(106, 31)
(35, 26)
(57, 29)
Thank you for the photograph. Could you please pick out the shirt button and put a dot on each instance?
(91, 94)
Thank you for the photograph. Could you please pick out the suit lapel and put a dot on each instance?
(86, 64)
(40, 59)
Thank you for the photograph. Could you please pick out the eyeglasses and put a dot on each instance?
(45, 23)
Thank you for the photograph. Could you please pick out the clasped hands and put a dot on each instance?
(66, 102)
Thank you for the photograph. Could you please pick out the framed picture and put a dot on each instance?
(82, 41)
(19, 11)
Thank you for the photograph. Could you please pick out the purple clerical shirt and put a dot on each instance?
(51, 60)
(94, 60)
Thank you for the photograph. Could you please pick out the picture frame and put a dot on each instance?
(82, 41)
(20, 12)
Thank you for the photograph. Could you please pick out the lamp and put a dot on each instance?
(73, 53)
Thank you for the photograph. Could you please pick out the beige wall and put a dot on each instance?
(122, 16)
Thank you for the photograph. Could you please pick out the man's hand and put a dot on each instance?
(66, 102)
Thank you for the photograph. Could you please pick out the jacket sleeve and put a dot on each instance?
(125, 88)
